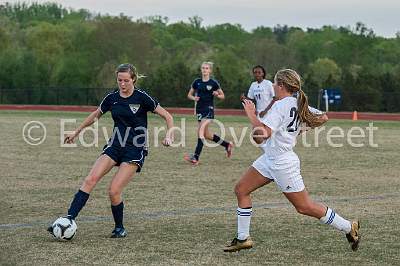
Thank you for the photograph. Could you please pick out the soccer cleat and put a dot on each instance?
(118, 233)
(50, 230)
(229, 150)
(191, 159)
(354, 236)
(237, 245)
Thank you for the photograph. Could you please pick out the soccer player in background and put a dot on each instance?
(261, 92)
(278, 131)
(203, 91)
(126, 148)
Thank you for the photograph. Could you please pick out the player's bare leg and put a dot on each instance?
(194, 158)
(213, 137)
(100, 168)
(124, 175)
(249, 182)
(305, 205)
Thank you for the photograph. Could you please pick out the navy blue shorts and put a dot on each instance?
(126, 155)
(206, 113)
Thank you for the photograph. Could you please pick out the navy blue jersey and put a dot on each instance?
(130, 117)
(204, 90)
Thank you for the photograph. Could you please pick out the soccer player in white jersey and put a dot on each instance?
(261, 91)
(278, 131)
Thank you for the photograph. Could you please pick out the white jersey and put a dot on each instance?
(284, 122)
(262, 93)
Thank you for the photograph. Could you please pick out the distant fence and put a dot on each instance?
(92, 96)
(385, 102)
(189, 111)
(53, 96)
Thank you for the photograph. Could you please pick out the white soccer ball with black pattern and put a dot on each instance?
(64, 228)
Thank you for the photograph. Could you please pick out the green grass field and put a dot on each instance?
(177, 214)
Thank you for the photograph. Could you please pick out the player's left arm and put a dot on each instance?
(274, 99)
(169, 136)
(261, 132)
(262, 113)
(219, 93)
(321, 116)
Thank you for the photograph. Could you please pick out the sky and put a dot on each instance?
(383, 16)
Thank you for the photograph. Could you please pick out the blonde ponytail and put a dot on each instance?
(310, 119)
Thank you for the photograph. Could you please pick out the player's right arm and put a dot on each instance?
(104, 107)
(191, 95)
(95, 115)
(243, 97)
(261, 132)
(250, 96)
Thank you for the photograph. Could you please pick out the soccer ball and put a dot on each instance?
(64, 228)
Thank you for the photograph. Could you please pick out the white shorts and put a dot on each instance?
(284, 170)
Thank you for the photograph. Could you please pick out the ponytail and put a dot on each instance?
(292, 82)
(306, 116)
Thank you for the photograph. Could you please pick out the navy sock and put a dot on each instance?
(118, 214)
(77, 203)
(199, 148)
(220, 141)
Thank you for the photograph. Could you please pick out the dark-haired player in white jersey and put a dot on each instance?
(261, 91)
(126, 148)
(278, 131)
(203, 91)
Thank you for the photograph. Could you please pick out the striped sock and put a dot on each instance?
(336, 221)
(244, 217)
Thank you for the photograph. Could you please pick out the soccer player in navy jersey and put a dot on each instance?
(203, 91)
(126, 148)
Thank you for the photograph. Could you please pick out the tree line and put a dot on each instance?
(49, 52)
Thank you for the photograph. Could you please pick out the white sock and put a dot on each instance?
(336, 221)
(244, 217)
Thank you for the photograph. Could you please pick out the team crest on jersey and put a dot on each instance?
(134, 108)
(209, 87)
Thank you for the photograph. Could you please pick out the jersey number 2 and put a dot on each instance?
(293, 125)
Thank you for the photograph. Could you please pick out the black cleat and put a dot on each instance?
(118, 233)
(354, 236)
(50, 230)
